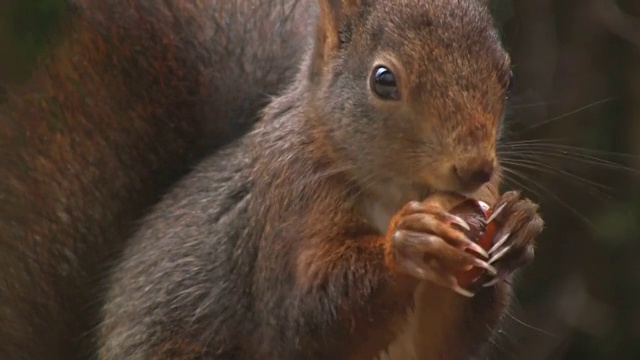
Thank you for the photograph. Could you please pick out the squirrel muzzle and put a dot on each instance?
(471, 172)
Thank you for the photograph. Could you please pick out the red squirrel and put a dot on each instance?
(132, 96)
(320, 234)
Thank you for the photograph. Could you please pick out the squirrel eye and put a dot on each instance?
(383, 83)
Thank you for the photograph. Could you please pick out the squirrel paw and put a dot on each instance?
(423, 244)
(518, 226)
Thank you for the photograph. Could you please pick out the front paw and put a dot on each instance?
(518, 226)
(423, 243)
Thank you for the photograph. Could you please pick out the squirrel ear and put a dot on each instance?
(330, 20)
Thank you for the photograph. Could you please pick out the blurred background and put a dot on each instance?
(572, 143)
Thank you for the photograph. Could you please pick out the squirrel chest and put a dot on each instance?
(417, 335)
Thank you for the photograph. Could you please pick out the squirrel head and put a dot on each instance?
(410, 91)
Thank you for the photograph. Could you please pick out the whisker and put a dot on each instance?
(566, 115)
(518, 183)
(362, 185)
(540, 166)
(529, 141)
(565, 148)
(580, 158)
(508, 313)
(530, 105)
(555, 197)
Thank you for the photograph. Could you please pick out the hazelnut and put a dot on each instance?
(475, 213)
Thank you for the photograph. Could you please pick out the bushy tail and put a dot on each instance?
(135, 92)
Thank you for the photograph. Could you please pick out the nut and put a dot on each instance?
(475, 213)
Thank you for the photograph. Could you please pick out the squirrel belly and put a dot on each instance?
(269, 250)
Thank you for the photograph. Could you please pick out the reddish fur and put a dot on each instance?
(136, 92)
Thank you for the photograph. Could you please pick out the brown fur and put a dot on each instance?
(280, 246)
(136, 92)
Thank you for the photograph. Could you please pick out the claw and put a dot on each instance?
(461, 291)
(477, 248)
(495, 214)
(500, 242)
(459, 221)
(495, 280)
(499, 255)
(484, 265)
(485, 207)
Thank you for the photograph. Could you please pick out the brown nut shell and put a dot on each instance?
(475, 213)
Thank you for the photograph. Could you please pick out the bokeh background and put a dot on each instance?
(572, 144)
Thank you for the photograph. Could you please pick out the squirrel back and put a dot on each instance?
(314, 236)
(136, 92)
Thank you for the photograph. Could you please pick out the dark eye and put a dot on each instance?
(383, 83)
(509, 85)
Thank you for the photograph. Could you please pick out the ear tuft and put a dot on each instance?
(328, 27)
(331, 18)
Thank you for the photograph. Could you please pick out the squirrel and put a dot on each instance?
(319, 234)
(130, 96)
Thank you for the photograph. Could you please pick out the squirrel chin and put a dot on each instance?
(423, 191)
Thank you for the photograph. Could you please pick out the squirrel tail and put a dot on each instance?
(135, 92)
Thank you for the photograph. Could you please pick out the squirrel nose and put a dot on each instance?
(473, 172)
